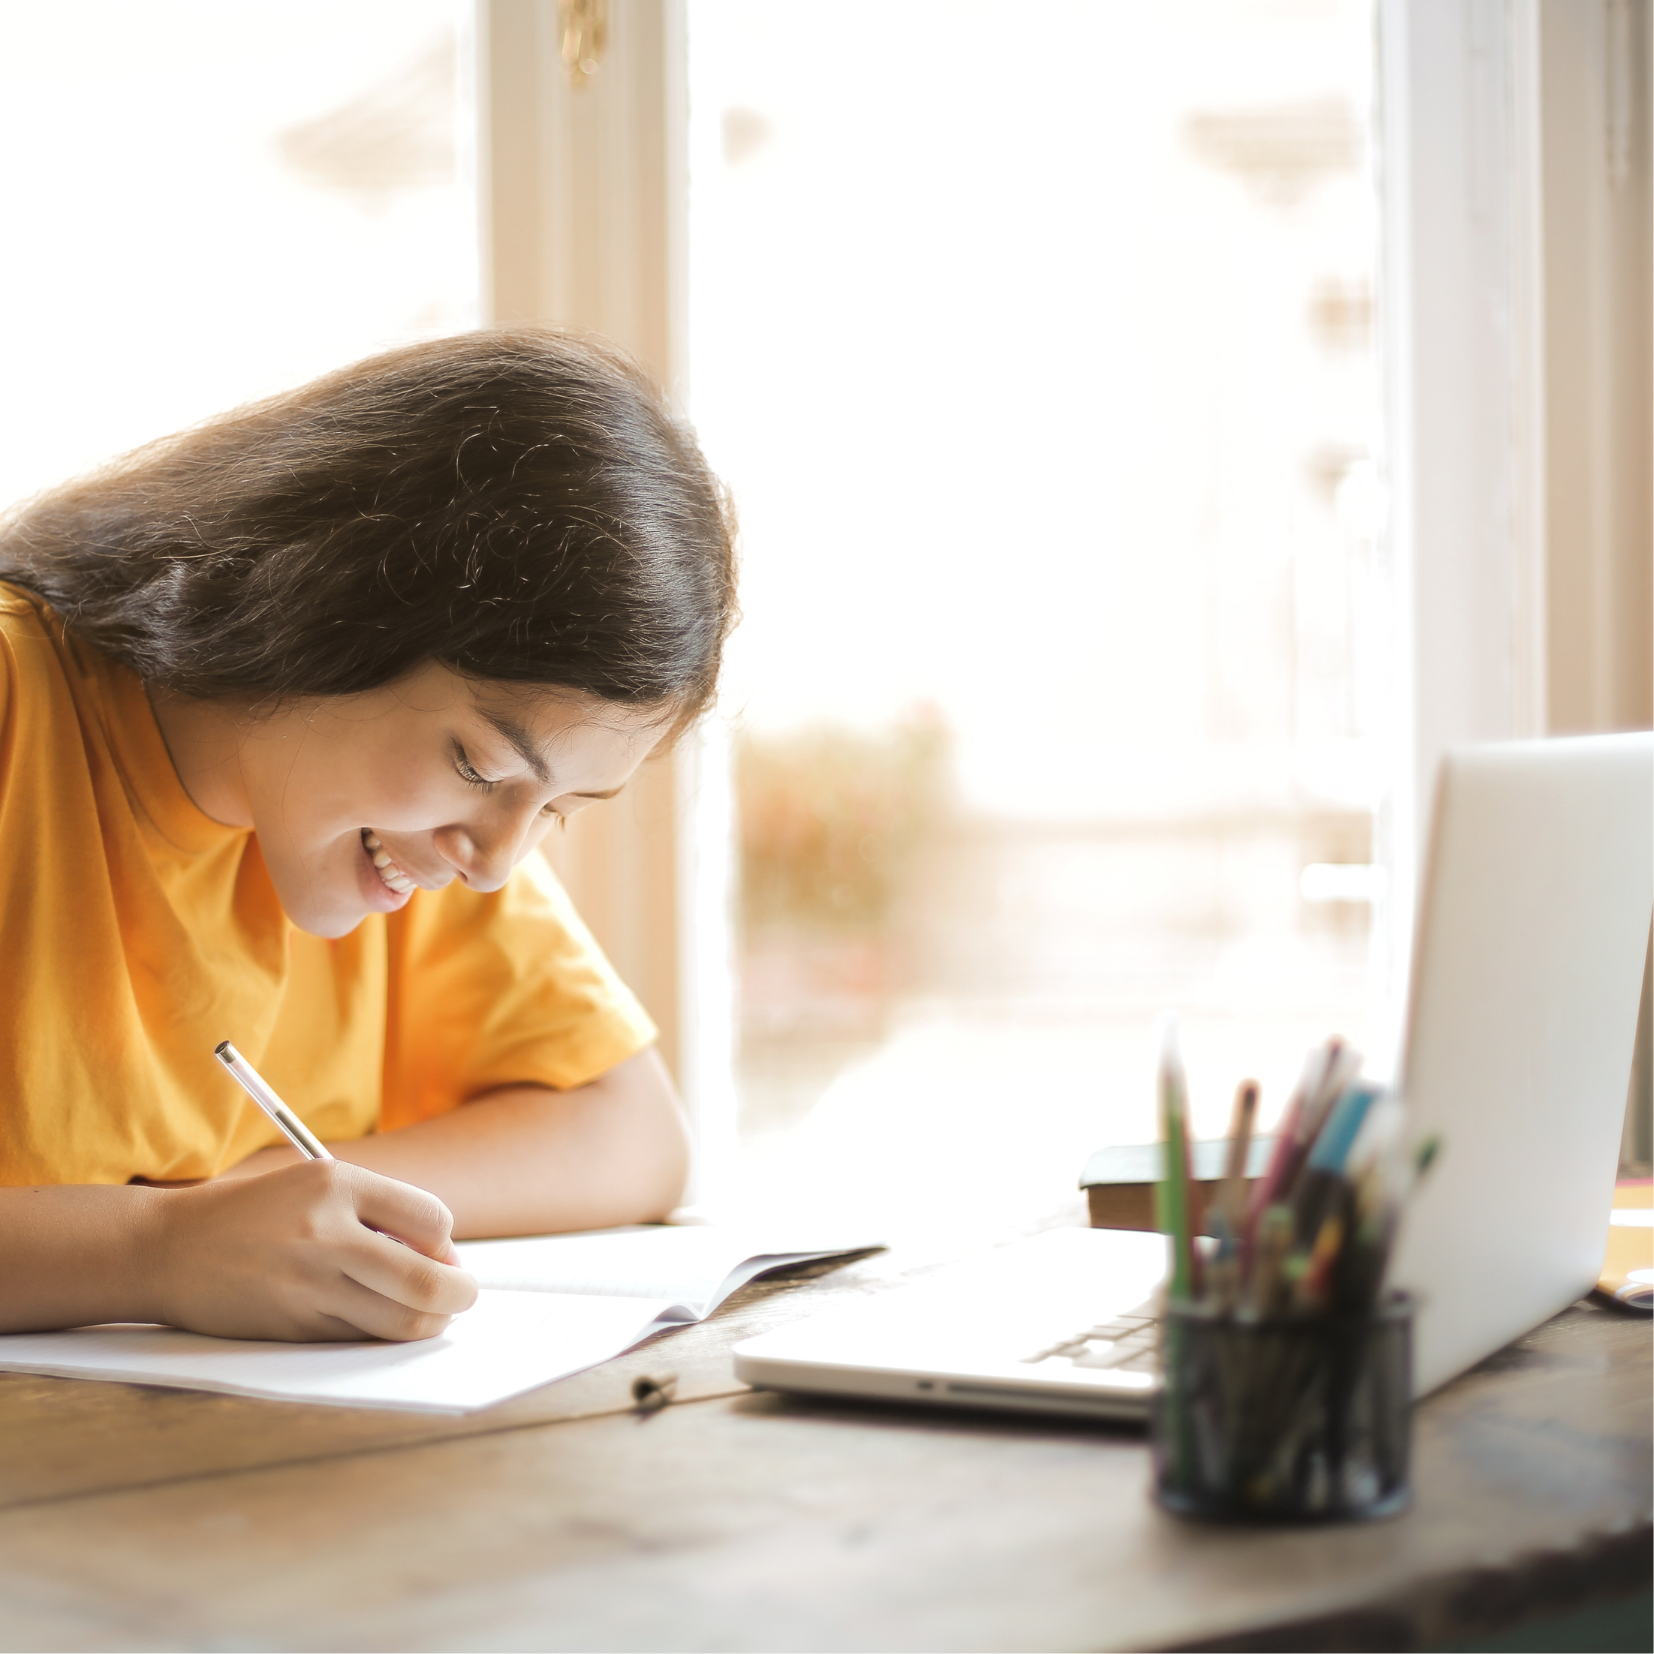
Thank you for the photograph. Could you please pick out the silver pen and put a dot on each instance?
(252, 1082)
(298, 1133)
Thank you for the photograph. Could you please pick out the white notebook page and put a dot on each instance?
(550, 1306)
(507, 1343)
(695, 1266)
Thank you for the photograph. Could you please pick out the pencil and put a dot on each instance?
(1174, 1193)
(254, 1084)
(1263, 1192)
(1264, 1285)
(1314, 1286)
(1326, 1070)
(1232, 1204)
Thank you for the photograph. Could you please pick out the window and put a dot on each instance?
(210, 203)
(1041, 362)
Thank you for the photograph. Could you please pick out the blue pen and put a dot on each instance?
(1332, 1148)
(1322, 1187)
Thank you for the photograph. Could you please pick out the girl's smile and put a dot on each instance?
(386, 871)
(359, 800)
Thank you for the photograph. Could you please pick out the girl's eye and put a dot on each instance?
(466, 773)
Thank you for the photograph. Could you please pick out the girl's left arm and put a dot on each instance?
(527, 1160)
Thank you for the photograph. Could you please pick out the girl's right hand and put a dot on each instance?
(307, 1253)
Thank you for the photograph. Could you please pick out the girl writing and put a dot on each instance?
(287, 703)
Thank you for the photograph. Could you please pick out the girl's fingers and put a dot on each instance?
(357, 1312)
(399, 1210)
(405, 1277)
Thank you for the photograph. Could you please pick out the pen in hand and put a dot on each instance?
(296, 1131)
(252, 1082)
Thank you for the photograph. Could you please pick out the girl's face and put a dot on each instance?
(359, 800)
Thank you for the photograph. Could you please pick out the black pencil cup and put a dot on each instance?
(1291, 1419)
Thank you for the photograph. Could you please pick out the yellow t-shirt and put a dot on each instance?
(136, 933)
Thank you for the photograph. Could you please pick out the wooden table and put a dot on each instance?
(133, 1517)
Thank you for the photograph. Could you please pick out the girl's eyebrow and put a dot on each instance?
(523, 743)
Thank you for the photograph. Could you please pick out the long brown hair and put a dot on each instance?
(519, 505)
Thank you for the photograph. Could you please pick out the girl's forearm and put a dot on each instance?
(77, 1254)
(529, 1160)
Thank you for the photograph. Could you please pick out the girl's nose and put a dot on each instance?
(483, 859)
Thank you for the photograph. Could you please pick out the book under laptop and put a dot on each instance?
(1532, 933)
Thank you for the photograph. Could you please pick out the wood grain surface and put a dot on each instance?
(141, 1518)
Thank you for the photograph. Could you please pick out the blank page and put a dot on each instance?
(695, 1266)
(509, 1342)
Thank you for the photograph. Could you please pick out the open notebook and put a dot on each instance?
(550, 1305)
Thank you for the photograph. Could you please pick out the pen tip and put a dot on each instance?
(223, 1049)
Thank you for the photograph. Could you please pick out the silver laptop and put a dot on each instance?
(1527, 970)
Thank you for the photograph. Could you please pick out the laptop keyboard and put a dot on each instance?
(1126, 1343)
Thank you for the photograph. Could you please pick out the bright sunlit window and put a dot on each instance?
(1040, 358)
(261, 192)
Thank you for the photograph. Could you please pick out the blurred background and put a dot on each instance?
(1041, 352)
(207, 203)
(1042, 370)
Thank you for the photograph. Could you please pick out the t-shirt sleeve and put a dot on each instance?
(8, 702)
(502, 989)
